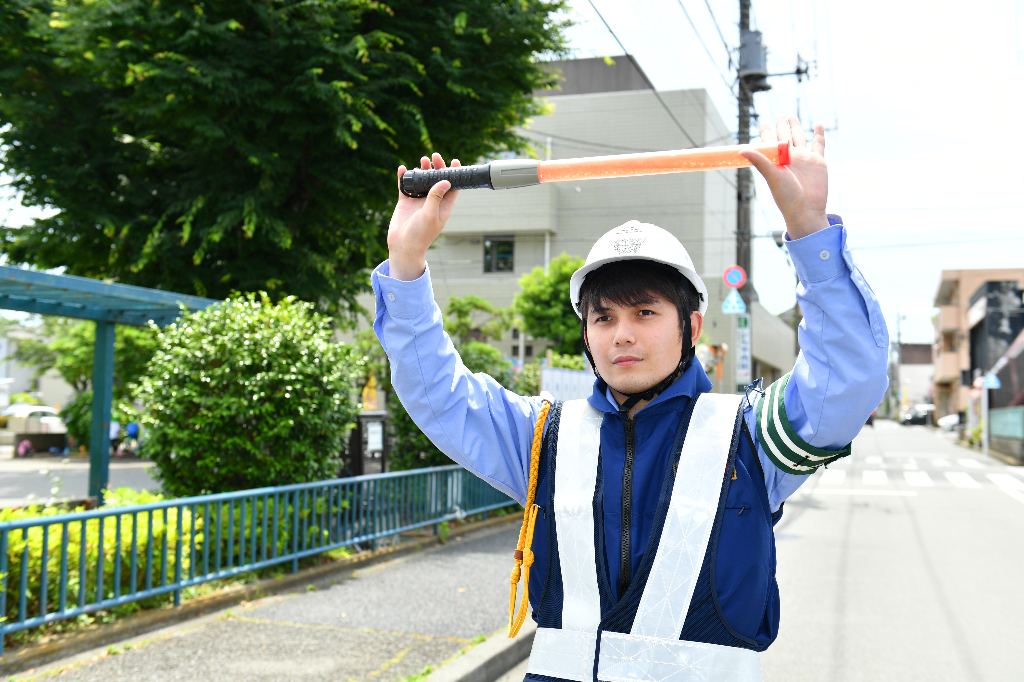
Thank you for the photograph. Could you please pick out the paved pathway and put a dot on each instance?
(387, 622)
(902, 562)
(20, 477)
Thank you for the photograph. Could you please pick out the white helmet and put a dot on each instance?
(638, 241)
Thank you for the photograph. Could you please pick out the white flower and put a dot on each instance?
(54, 490)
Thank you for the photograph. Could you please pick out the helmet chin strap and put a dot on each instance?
(651, 393)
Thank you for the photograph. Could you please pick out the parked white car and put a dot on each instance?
(26, 410)
(949, 422)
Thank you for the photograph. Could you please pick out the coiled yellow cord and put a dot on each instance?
(523, 554)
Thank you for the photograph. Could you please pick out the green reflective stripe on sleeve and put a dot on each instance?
(781, 443)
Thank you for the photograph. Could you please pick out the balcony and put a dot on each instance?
(949, 318)
(947, 368)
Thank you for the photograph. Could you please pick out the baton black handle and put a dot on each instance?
(417, 182)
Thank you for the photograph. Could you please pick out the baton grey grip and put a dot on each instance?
(417, 182)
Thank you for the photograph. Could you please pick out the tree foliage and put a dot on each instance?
(249, 145)
(246, 394)
(544, 305)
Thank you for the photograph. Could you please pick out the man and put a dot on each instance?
(654, 556)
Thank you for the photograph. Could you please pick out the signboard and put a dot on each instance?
(744, 362)
(991, 381)
(375, 436)
(733, 304)
(735, 276)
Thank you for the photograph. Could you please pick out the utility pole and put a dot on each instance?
(753, 77)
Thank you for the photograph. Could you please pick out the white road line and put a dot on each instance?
(833, 477)
(940, 463)
(861, 491)
(1006, 481)
(970, 463)
(873, 459)
(961, 479)
(912, 464)
(918, 478)
(1015, 494)
(874, 477)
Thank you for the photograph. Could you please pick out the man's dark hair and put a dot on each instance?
(635, 282)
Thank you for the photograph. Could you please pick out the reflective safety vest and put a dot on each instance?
(582, 648)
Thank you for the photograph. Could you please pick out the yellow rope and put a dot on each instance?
(523, 554)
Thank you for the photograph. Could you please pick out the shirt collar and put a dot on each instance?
(693, 382)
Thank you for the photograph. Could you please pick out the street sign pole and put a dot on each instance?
(735, 277)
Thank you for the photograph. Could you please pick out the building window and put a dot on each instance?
(499, 254)
(529, 351)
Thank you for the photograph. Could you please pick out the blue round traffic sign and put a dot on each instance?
(735, 276)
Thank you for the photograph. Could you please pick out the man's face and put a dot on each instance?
(635, 347)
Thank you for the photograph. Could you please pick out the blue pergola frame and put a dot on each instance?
(107, 304)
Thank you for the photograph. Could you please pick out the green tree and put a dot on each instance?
(463, 324)
(544, 306)
(249, 145)
(248, 393)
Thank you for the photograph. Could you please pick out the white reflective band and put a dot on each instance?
(631, 658)
(564, 654)
(579, 442)
(691, 516)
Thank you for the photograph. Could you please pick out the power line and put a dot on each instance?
(704, 45)
(693, 143)
(728, 50)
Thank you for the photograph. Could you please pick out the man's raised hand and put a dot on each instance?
(801, 188)
(416, 223)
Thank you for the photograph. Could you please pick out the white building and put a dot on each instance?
(493, 238)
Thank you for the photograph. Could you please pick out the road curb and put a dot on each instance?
(36, 655)
(490, 660)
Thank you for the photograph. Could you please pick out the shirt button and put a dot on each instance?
(823, 256)
(391, 297)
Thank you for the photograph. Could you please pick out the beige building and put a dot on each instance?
(494, 237)
(953, 324)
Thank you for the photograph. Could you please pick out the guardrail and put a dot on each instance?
(111, 556)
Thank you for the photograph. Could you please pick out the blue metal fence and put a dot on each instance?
(64, 565)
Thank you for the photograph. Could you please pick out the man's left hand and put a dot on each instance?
(801, 188)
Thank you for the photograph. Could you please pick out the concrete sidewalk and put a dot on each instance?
(384, 622)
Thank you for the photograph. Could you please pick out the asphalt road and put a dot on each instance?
(902, 562)
(385, 622)
(20, 478)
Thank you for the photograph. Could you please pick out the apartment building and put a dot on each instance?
(972, 329)
(493, 238)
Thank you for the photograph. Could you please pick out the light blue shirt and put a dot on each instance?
(839, 377)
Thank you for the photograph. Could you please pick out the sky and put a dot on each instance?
(920, 101)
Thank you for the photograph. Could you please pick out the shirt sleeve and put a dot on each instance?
(469, 417)
(809, 417)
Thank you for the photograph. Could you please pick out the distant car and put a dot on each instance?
(871, 420)
(918, 417)
(26, 410)
(949, 422)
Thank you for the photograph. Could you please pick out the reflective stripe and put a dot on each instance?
(690, 519)
(781, 442)
(631, 658)
(569, 653)
(565, 654)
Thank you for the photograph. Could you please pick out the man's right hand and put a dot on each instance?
(416, 223)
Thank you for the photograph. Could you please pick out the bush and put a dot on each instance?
(247, 394)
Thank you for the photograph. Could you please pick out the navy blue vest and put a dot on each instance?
(739, 563)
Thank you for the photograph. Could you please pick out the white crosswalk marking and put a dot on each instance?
(873, 459)
(910, 464)
(833, 477)
(1006, 481)
(875, 477)
(961, 479)
(970, 463)
(918, 478)
(940, 463)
